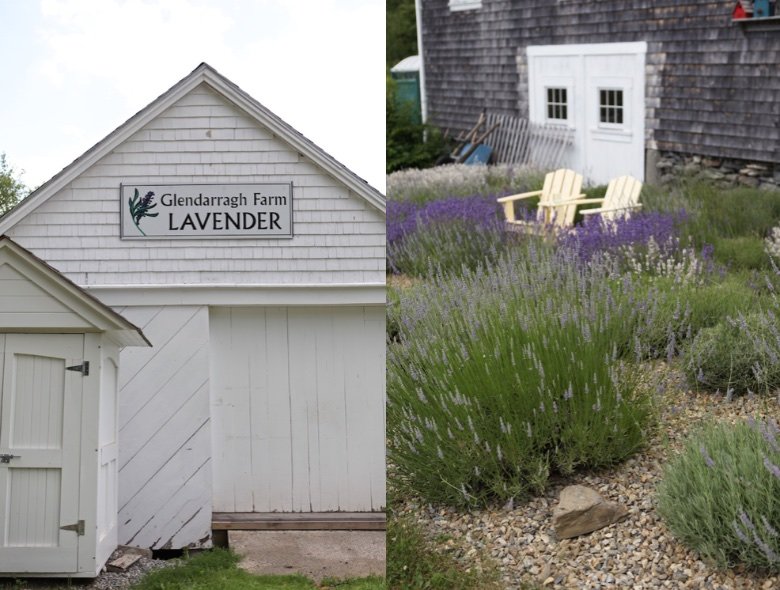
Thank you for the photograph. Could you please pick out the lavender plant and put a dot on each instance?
(645, 243)
(678, 310)
(452, 180)
(721, 495)
(444, 235)
(737, 355)
(510, 373)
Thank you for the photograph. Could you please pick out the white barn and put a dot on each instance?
(261, 399)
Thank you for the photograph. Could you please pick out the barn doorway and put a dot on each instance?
(597, 90)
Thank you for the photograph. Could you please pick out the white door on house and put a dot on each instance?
(40, 435)
(598, 90)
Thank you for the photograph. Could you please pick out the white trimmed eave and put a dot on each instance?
(202, 74)
(297, 140)
(91, 310)
(232, 295)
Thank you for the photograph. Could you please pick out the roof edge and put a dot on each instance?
(116, 323)
(204, 73)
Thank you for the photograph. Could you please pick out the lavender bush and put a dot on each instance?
(445, 235)
(454, 180)
(721, 495)
(679, 310)
(646, 242)
(737, 355)
(508, 374)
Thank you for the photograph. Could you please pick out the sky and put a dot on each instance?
(74, 70)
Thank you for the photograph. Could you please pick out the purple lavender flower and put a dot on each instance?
(766, 550)
(769, 528)
(745, 519)
(771, 467)
(594, 237)
(740, 533)
(404, 218)
(707, 459)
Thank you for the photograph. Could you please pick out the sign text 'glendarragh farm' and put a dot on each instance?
(206, 210)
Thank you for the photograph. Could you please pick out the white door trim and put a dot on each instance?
(587, 49)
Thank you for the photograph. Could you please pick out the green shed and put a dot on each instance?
(406, 74)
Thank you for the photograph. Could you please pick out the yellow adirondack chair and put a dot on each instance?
(560, 188)
(621, 198)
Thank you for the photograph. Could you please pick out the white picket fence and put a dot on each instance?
(518, 141)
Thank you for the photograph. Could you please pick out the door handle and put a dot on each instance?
(6, 457)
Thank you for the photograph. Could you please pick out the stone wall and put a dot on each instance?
(728, 172)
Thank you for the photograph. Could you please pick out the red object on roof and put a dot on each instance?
(739, 11)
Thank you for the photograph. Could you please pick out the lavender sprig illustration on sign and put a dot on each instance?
(139, 208)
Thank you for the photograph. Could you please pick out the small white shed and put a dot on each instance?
(254, 264)
(59, 350)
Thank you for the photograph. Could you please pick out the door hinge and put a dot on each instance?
(83, 368)
(78, 528)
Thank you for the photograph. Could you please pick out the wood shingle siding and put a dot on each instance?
(713, 87)
(204, 139)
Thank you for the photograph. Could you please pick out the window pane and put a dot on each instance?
(619, 116)
(603, 116)
(556, 103)
(619, 98)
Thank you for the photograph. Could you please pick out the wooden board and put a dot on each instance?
(296, 521)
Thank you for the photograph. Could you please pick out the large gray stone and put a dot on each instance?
(582, 510)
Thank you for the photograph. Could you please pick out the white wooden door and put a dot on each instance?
(598, 90)
(40, 427)
(297, 409)
(614, 116)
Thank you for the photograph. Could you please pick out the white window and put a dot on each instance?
(611, 106)
(557, 104)
(456, 5)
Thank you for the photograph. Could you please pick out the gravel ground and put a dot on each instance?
(638, 553)
(105, 581)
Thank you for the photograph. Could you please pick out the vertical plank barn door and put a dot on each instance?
(40, 433)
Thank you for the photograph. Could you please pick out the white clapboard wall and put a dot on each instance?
(297, 397)
(164, 452)
(339, 236)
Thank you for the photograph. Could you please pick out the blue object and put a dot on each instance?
(481, 155)
(761, 8)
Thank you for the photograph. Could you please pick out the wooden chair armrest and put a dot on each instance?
(519, 196)
(605, 210)
(575, 201)
(586, 201)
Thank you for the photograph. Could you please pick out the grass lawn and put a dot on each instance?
(218, 570)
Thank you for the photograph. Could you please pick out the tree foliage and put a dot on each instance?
(409, 144)
(12, 189)
(401, 31)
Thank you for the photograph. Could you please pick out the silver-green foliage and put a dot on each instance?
(737, 355)
(508, 374)
(721, 495)
(451, 180)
